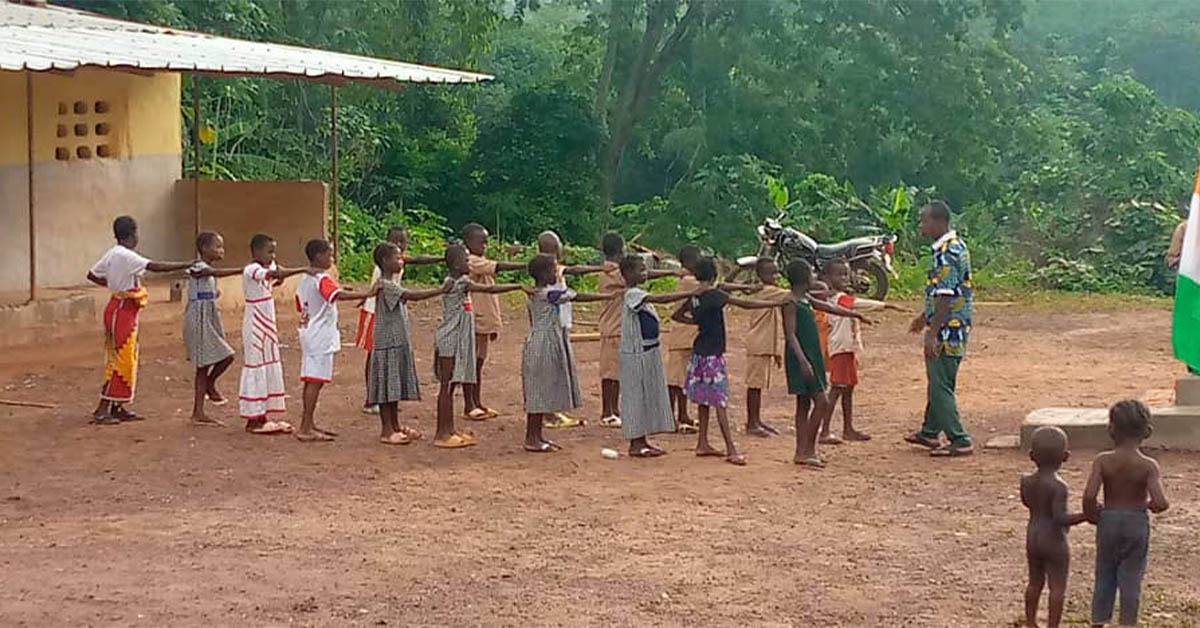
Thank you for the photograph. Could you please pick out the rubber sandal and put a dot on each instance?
(686, 428)
(758, 431)
(611, 420)
(857, 437)
(395, 438)
(370, 410)
(738, 460)
(544, 447)
(218, 402)
(645, 452)
(953, 451)
(314, 437)
(917, 438)
(560, 420)
(105, 419)
(478, 414)
(412, 433)
(710, 453)
(490, 413)
(124, 415)
(454, 441)
(812, 461)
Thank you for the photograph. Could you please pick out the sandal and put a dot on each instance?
(560, 420)
(646, 452)
(411, 432)
(738, 460)
(544, 447)
(953, 451)
(856, 436)
(917, 438)
(490, 413)
(687, 428)
(314, 437)
(812, 461)
(105, 419)
(611, 420)
(395, 438)
(454, 441)
(121, 414)
(709, 453)
(477, 414)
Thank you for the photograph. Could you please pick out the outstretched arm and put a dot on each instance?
(167, 267)
(668, 297)
(832, 308)
(216, 272)
(279, 274)
(494, 288)
(502, 266)
(740, 287)
(752, 304)
(584, 297)
(665, 272)
(421, 295)
(350, 295)
(582, 269)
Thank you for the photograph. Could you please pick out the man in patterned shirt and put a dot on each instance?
(946, 322)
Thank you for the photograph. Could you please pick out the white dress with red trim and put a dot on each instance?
(261, 391)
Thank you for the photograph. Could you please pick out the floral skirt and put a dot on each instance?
(707, 381)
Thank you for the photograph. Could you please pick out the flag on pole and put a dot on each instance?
(1186, 323)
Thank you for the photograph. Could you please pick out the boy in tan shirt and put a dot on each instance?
(764, 346)
(488, 322)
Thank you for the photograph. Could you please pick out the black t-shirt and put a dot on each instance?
(709, 311)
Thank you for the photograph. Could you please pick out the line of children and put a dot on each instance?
(1132, 485)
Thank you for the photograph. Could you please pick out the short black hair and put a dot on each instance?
(761, 263)
(259, 241)
(939, 210)
(831, 263)
(799, 273)
(316, 247)
(396, 229)
(540, 264)
(124, 227)
(455, 252)
(706, 269)
(205, 238)
(382, 250)
(1129, 420)
(689, 254)
(612, 244)
(629, 262)
(471, 228)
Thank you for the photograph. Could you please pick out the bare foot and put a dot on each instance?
(759, 430)
(705, 451)
(216, 398)
(313, 437)
(321, 430)
(395, 438)
(736, 459)
(855, 436)
(206, 421)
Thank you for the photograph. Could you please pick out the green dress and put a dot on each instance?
(810, 343)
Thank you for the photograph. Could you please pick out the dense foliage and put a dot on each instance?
(1063, 133)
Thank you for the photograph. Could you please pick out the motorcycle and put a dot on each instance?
(870, 257)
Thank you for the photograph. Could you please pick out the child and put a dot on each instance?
(1044, 493)
(203, 333)
(613, 246)
(803, 363)
(261, 390)
(397, 235)
(392, 371)
(679, 343)
(764, 347)
(645, 407)
(549, 244)
(844, 346)
(317, 295)
(487, 311)
(548, 374)
(1132, 484)
(454, 360)
(120, 270)
(707, 380)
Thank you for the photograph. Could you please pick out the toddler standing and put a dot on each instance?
(1044, 493)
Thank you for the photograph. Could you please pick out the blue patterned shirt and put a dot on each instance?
(950, 276)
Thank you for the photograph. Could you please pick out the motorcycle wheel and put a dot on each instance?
(870, 279)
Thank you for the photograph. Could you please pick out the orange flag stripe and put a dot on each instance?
(1196, 189)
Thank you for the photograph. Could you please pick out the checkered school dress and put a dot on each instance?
(455, 336)
(203, 334)
(392, 375)
(547, 368)
(645, 406)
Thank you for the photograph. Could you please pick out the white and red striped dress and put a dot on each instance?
(262, 372)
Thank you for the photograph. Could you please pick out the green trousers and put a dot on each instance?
(941, 409)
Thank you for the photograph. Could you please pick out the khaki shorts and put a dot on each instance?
(758, 371)
(677, 366)
(610, 358)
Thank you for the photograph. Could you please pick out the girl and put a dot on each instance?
(645, 404)
(120, 270)
(203, 334)
(707, 383)
(547, 370)
(454, 347)
(391, 371)
(803, 362)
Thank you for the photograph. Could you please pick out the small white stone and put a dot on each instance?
(609, 454)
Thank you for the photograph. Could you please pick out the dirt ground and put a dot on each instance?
(157, 522)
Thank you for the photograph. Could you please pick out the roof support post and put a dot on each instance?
(196, 153)
(333, 157)
(32, 203)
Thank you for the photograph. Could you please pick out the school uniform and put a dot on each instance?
(764, 340)
(610, 280)
(319, 337)
(645, 405)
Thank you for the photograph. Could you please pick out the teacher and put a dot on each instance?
(946, 322)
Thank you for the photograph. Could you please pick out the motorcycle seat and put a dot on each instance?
(844, 248)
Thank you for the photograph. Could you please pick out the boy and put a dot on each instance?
(844, 346)
(364, 339)
(120, 270)
(261, 391)
(550, 244)
(764, 347)
(611, 280)
(679, 343)
(316, 300)
(487, 310)
(1047, 551)
(1132, 484)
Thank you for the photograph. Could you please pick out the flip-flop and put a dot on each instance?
(917, 438)
(953, 451)
(370, 410)
(758, 431)
(273, 427)
(454, 441)
(560, 420)
(490, 413)
(645, 452)
(411, 432)
(812, 461)
(478, 414)
(105, 419)
(219, 401)
(611, 420)
(738, 460)
(395, 438)
(544, 447)
(208, 422)
(124, 415)
(314, 437)
(686, 428)
(770, 428)
(710, 453)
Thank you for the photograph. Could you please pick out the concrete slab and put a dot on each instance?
(1187, 391)
(1175, 427)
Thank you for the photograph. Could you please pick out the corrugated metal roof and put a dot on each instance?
(56, 38)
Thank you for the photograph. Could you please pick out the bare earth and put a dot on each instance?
(157, 522)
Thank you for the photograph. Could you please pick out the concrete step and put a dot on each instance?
(1187, 391)
(1175, 427)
